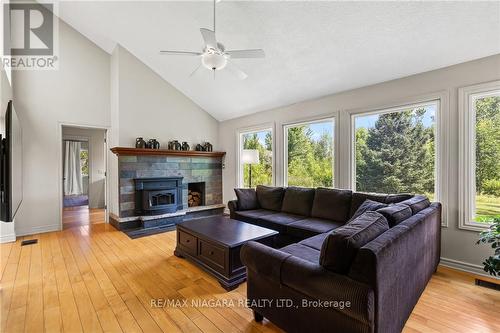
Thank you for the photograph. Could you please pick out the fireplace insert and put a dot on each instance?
(156, 196)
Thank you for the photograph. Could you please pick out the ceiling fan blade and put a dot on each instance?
(188, 53)
(195, 70)
(238, 72)
(209, 37)
(257, 53)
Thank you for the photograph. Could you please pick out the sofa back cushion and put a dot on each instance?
(359, 197)
(396, 213)
(417, 203)
(341, 246)
(332, 204)
(395, 198)
(368, 206)
(298, 200)
(247, 198)
(270, 197)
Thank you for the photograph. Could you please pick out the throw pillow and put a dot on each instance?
(341, 246)
(395, 213)
(247, 198)
(417, 203)
(367, 206)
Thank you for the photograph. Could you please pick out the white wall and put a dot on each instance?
(152, 108)
(97, 162)
(457, 245)
(77, 93)
(7, 233)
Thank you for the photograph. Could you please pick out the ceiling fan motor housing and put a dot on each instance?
(213, 59)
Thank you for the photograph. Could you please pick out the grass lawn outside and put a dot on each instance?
(487, 208)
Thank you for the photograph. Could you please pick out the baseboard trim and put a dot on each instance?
(8, 238)
(464, 266)
(38, 230)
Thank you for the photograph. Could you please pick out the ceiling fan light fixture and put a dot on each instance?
(213, 61)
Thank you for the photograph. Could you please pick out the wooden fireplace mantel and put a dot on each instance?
(127, 151)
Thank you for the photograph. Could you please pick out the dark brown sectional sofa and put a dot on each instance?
(343, 262)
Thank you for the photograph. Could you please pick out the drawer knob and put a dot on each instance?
(211, 253)
(187, 240)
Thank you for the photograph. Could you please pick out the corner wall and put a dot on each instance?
(458, 246)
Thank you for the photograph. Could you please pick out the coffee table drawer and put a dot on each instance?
(212, 255)
(187, 241)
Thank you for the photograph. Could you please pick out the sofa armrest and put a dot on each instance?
(318, 283)
(310, 280)
(233, 206)
(263, 260)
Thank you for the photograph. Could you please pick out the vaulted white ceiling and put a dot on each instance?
(312, 48)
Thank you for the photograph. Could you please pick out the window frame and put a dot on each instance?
(285, 128)
(467, 151)
(440, 137)
(249, 130)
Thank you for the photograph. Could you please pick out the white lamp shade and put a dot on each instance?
(250, 156)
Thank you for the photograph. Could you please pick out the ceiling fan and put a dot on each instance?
(214, 55)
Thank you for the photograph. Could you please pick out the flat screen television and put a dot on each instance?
(11, 164)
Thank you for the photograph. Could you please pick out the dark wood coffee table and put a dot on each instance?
(214, 243)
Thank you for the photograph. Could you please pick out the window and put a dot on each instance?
(84, 162)
(256, 158)
(479, 155)
(395, 150)
(309, 154)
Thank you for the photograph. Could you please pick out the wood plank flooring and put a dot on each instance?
(93, 278)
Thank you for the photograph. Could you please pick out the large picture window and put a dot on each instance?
(480, 155)
(256, 158)
(395, 150)
(309, 154)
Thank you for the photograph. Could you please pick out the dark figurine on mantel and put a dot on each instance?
(185, 146)
(174, 145)
(153, 144)
(140, 143)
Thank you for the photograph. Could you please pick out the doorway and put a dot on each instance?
(83, 176)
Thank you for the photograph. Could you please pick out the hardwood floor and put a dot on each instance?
(93, 278)
(81, 215)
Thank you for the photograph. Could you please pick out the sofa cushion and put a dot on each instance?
(368, 206)
(417, 203)
(331, 204)
(270, 197)
(395, 213)
(311, 226)
(341, 245)
(298, 200)
(302, 251)
(247, 198)
(395, 198)
(359, 197)
(315, 242)
(278, 221)
(251, 216)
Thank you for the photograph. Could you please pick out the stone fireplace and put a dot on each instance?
(147, 193)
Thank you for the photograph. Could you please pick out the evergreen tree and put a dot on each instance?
(398, 156)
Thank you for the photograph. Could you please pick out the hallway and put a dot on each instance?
(81, 216)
